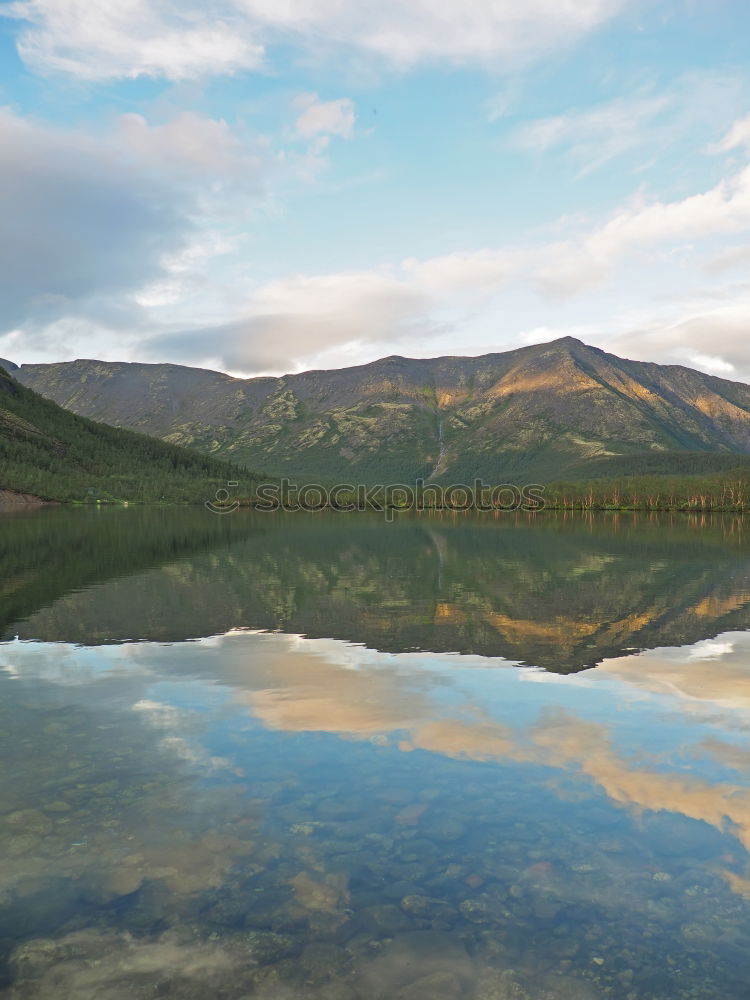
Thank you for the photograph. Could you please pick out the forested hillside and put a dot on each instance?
(54, 454)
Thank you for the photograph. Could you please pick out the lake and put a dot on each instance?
(323, 757)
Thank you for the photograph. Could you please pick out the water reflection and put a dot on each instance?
(266, 815)
(553, 591)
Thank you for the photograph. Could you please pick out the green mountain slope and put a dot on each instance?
(541, 412)
(54, 454)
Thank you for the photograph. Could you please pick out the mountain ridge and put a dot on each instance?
(34, 366)
(543, 411)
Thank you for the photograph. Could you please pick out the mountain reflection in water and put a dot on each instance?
(550, 590)
(231, 812)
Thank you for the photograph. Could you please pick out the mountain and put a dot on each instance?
(546, 411)
(51, 453)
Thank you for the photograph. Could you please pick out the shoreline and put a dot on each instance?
(21, 500)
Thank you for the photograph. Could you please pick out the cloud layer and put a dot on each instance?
(181, 40)
(79, 225)
(298, 321)
(179, 231)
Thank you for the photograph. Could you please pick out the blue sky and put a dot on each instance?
(265, 186)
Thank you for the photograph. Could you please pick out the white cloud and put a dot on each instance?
(595, 135)
(575, 265)
(684, 339)
(711, 649)
(335, 320)
(111, 39)
(195, 147)
(732, 257)
(324, 118)
(711, 363)
(185, 271)
(79, 226)
(570, 266)
(737, 136)
(310, 320)
(478, 269)
(296, 322)
(180, 40)
(99, 227)
(500, 104)
(646, 123)
(407, 32)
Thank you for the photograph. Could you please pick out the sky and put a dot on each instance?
(269, 186)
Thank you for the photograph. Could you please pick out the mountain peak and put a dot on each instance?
(569, 340)
(8, 365)
(567, 343)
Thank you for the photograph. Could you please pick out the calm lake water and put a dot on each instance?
(321, 757)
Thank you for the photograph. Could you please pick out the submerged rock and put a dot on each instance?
(425, 908)
(382, 920)
(446, 828)
(422, 965)
(267, 947)
(105, 964)
(481, 910)
(28, 821)
(496, 984)
(323, 961)
(325, 895)
(410, 815)
(434, 986)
